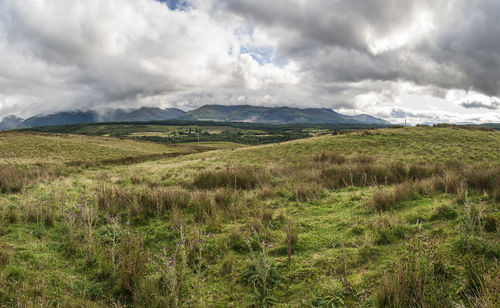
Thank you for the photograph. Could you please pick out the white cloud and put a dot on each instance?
(62, 54)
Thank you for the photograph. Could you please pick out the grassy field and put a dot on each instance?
(405, 217)
(20, 148)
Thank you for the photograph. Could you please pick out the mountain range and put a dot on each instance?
(241, 113)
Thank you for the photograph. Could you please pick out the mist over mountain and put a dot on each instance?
(66, 117)
(142, 114)
(11, 122)
(242, 113)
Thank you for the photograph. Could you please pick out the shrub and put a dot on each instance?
(113, 199)
(199, 202)
(419, 171)
(135, 212)
(363, 159)
(490, 223)
(131, 262)
(363, 174)
(412, 283)
(236, 241)
(384, 199)
(173, 197)
(291, 238)
(474, 277)
(399, 171)
(489, 295)
(12, 214)
(334, 295)
(462, 194)
(41, 212)
(332, 157)
(237, 178)
(12, 180)
(483, 177)
(443, 211)
(5, 254)
(306, 192)
(267, 192)
(262, 276)
(223, 197)
(353, 175)
(387, 229)
(452, 182)
(157, 201)
(228, 265)
(367, 253)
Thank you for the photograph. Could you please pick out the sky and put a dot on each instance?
(415, 60)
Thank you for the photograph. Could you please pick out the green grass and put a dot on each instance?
(18, 148)
(183, 235)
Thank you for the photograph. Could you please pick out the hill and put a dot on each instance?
(35, 150)
(245, 113)
(394, 217)
(492, 125)
(29, 149)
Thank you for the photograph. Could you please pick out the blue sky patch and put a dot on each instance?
(175, 4)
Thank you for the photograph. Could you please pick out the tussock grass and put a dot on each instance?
(414, 282)
(237, 178)
(443, 211)
(387, 229)
(15, 179)
(12, 180)
(5, 254)
(334, 158)
(384, 199)
(132, 262)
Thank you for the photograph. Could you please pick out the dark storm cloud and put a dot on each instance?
(473, 105)
(331, 39)
(353, 54)
(318, 24)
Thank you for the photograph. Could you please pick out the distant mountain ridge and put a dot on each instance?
(240, 113)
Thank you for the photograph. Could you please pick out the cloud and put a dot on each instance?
(492, 106)
(479, 101)
(351, 55)
(72, 54)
